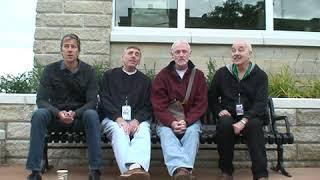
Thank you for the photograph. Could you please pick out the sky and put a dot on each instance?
(17, 22)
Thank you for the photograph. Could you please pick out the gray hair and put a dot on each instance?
(180, 42)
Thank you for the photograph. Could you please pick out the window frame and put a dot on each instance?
(213, 36)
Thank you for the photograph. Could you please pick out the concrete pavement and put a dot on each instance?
(18, 172)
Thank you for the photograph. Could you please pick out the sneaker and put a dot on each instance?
(226, 176)
(34, 176)
(94, 175)
(263, 178)
(183, 174)
(135, 174)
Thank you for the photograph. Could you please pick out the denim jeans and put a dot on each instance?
(128, 150)
(179, 152)
(42, 120)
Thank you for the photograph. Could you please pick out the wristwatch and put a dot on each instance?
(243, 121)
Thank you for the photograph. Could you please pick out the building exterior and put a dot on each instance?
(281, 31)
(106, 27)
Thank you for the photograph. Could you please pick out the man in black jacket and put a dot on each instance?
(66, 98)
(238, 97)
(126, 109)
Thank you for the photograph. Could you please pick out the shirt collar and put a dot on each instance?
(129, 73)
(63, 67)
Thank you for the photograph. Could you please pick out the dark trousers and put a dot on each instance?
(42, 120)
(255, 141)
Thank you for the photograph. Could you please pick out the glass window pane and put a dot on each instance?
(297, 15)
(225, 14)
(146, 13)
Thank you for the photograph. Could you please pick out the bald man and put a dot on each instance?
(238, 97)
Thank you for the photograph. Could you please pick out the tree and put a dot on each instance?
(233, 14)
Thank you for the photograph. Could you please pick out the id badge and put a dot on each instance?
(239, 109)
(126, 112)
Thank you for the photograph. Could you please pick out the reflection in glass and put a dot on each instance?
(225, 14)
(297, 15)
(146, 13)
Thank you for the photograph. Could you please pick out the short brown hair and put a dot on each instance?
(70, 36)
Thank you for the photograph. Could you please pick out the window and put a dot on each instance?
(146, 13)
(297, 15)
(231, 14)
(273, 22)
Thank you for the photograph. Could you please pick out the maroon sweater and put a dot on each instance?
(168, 86)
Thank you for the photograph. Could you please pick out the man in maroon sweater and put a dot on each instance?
(179, 137)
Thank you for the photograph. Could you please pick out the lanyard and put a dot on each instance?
(126, 102)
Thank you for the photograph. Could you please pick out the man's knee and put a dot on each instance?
(164, 131)
(90, 115)
(112, 127)
(145, 127)
(193, 129)
(254, 124)
(225, 122)
(40, 116)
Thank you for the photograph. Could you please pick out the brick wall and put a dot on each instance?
(89, 19)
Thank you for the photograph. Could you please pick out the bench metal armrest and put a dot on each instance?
(276, 119)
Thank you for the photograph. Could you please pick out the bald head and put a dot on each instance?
(244, 44)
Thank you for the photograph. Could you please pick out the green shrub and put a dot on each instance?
(151, 73)
(284, 84)
(312, 90)
(211, 64)
(20, 83)
(36, 74)
(28, 82)
(100, 68)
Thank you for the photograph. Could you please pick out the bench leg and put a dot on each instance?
(280, 165)
(44, 162)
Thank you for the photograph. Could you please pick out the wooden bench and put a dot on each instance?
(208, 136)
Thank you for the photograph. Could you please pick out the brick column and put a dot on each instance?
(91, 20)
(2, 146)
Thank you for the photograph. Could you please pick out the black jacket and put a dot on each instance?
(59, 89)
(117, 86)
(253, 89)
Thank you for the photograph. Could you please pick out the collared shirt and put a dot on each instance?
(236, 73)
(129, 73)
(60, 89)
(63, 66)
(181, 72)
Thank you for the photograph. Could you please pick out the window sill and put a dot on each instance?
(209, 36)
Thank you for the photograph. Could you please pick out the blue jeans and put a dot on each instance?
(128, 150)
(179, 152)
(43, 119)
